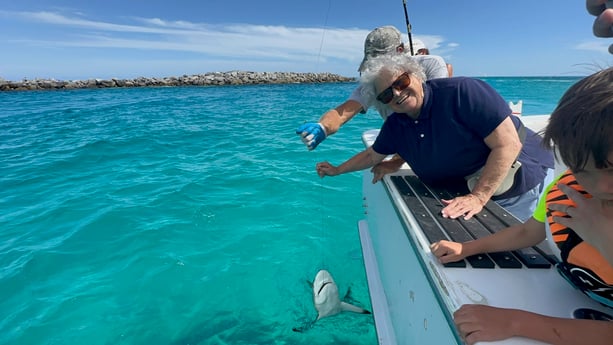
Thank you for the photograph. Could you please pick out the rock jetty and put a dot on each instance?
(207, 79)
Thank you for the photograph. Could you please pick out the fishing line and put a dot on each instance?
(323, 35)
(323, 233)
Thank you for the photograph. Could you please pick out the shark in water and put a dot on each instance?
(327, 301)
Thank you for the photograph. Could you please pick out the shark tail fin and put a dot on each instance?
(352, 308)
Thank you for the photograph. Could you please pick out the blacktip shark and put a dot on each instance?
(327, 301)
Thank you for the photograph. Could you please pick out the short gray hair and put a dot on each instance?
(394, 63)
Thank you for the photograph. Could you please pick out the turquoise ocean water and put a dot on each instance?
(183, 215)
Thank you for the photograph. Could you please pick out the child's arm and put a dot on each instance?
(518, 236)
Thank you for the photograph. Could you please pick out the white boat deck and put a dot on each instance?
(414, 296)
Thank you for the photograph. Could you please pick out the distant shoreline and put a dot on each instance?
(207, 79)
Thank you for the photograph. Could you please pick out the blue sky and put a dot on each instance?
(70, 39)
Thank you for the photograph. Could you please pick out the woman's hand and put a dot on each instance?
(466, 205)
(386, 167)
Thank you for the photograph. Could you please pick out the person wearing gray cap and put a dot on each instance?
(384, 40)
(419, 48)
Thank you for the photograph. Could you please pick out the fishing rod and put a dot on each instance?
(406, 19)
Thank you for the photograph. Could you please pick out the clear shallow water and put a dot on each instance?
(183, 215)
(539, 94)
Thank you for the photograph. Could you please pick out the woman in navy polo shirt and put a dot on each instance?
(447, 129)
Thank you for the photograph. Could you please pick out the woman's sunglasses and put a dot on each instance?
(400, 84)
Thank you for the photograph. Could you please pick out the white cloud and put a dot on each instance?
(232, 40)
(598, 45)
(245, 45)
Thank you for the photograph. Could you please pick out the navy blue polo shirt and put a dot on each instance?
(446, 142)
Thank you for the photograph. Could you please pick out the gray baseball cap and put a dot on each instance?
(380, 41)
